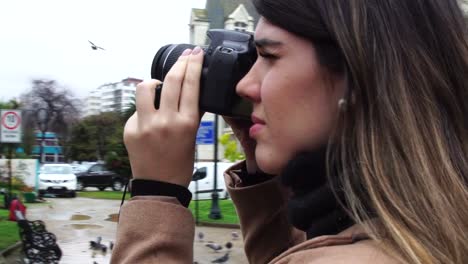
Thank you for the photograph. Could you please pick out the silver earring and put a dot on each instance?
(342, 104)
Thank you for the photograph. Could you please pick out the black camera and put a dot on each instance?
(228, 58)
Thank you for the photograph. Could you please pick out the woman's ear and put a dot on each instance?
(343, 90)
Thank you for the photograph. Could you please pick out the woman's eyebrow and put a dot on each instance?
(264, 42)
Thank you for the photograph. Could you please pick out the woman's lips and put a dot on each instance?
(258, 124)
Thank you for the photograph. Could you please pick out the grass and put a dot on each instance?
(8, 230)
(228, 213)
(112, 195)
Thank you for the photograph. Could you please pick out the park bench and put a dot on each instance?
(39, 245)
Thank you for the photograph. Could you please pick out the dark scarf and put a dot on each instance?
(313, 208)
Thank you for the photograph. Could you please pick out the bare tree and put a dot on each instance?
(58, 102)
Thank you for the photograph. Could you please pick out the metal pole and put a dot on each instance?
(215, 212)
(43, 119)
(10, 177)
(196, 190)
(196, 204)
(41, 153)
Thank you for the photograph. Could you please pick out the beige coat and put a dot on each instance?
(157, 229)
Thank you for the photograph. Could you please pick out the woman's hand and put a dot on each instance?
(161, 142)
(241, 131)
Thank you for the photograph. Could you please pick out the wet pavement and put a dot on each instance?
(77, 221)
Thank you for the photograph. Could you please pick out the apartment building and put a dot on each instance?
(111, 97)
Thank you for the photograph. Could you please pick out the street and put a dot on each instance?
(77, 221)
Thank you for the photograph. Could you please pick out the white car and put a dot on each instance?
(202, 189)
(57, 179)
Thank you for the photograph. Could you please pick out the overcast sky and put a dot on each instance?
(49, 39)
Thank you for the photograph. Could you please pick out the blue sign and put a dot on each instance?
(205, 133)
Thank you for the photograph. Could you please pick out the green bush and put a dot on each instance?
(231, 151)
(15, 185)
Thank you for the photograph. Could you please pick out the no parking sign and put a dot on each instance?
(10, 126)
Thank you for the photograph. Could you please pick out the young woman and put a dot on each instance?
(359, 111)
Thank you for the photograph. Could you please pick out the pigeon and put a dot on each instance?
(228, 245)
(200, 236)
(235, 235)
(96, 245)
(93, 244)
(94, 46)
(214, 246)
(111, 245)
(222, 259)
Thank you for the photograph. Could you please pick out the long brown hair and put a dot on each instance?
(401, 144)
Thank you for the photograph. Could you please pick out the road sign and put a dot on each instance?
(205, 133)
(10, 126)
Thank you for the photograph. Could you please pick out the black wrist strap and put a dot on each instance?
(141, 187)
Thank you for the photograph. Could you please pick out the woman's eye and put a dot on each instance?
(267, 55)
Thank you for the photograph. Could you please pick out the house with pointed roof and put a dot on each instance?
(222, 14)
(219, 14)
(464, 6)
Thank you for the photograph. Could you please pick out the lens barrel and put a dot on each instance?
(165, 58)
(226, 60)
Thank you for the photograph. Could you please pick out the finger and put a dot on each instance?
(144, 98)
(131, 124)
(173, 84)
(130, 128)
(189, 98)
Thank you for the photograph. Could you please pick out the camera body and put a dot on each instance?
(228, 58)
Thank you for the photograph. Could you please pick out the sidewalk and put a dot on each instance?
(77, 221)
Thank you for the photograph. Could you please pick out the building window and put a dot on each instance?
(240, 26)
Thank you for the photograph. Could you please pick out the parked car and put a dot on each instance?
(97, 175)
(204, 178)
(57, 179)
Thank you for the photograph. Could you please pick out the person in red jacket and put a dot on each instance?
(16, 205)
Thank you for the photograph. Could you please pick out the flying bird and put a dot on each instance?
(94, 46)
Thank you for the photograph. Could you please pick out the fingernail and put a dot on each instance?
(196, 50)
(186, 52)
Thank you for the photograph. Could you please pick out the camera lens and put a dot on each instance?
(166, 58)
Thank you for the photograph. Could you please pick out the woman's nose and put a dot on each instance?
(249, 87)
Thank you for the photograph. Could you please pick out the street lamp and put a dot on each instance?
(42, 117)
(215, 212)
